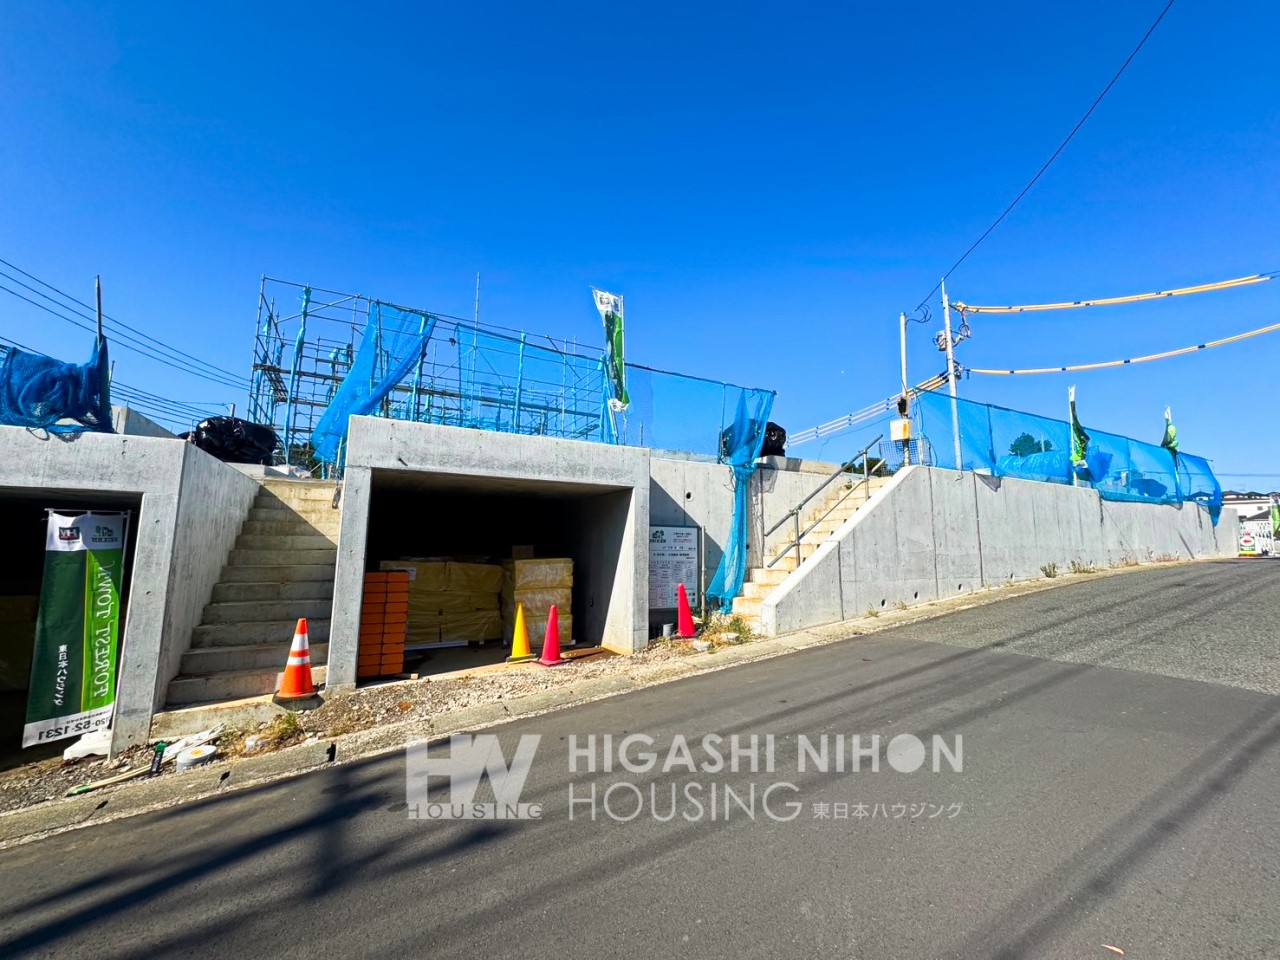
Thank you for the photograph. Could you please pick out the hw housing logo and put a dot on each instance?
(471, 758)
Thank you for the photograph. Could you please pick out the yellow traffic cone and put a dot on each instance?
(520, 652)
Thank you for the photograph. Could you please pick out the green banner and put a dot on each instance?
(1079, 438)
(610, 307)
(73, 666)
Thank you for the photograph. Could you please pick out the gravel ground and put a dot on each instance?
(417, 700)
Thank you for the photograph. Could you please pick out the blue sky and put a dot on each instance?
(768, 186)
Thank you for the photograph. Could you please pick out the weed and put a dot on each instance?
(1127, 561)
(1078, 566)
(1050, 570)
(872, 612)
(283, 728)
(900, 605)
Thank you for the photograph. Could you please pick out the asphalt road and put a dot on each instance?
(1120, 785)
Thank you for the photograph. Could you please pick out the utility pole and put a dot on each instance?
(902, 336)
(951, 374)
(906, 400)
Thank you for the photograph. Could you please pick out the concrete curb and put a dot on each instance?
(144, 796)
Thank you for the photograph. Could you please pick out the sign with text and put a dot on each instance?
(73, 667)
(673, 559)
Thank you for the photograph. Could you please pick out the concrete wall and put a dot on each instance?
(933, 533)
(161, 599)
(697, 493)
(213, 501)
(130, 422)
(618, 477)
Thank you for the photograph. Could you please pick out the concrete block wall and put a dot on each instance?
(933, 533)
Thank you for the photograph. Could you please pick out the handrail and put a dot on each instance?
(794, 512)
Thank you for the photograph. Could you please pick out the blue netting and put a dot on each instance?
(1008, 443)
(391, 345)
(38, 391)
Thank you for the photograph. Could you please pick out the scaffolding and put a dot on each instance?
(467, 374)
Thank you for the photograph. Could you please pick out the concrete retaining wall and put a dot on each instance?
(933, 533)
(613, 532)
(696, 493)
(179, 548)
(213, 500)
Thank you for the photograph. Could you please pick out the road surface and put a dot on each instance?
(1119, 784)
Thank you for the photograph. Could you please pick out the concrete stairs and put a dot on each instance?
(842, 502)
(280, 569)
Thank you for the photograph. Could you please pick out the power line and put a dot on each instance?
(127, 342)
(179, 354)
(1054, 156)
(1147, 359)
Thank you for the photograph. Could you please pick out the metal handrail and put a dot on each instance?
(794, 512)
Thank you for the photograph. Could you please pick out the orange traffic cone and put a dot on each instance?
(295, 682)
(551, 645)
(684, 616)
(520, 652)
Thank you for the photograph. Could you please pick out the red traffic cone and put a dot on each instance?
(684, 616)
(551, 645)
(295, 682)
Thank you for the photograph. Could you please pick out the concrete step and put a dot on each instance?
(248, 572)
(264, 631)
(757, 591)
(230, 686)
(280, 558)
(202, 661)
(747, 606)
(247, 712)
(254, 611)
(309, 541)
(772, 577)
(807, 549)
(296, 491)
(286, 591)
(311, 510)
(289, 528)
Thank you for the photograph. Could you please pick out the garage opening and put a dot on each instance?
(477, 545)
(24, 520)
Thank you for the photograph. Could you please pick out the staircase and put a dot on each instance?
(281, 569)
(841, 504)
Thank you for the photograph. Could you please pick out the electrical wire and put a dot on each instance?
(108, 319)
(1147, 359)
(967, 308)
(127, 343)
(1054, 156)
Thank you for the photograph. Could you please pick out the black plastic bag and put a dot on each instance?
(775, 441)
(233, 440)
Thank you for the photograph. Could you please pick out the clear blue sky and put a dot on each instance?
(768, 185)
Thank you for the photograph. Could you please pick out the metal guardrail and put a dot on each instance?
(794, 513)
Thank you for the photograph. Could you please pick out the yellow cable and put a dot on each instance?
(1111, 301)
(1121, 363)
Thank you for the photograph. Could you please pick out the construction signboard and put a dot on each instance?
(73, 667)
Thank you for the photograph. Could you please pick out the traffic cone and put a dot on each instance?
(684, 616)
(551, 645)
(520, 652)
(295, 682)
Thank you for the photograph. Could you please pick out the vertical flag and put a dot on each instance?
(73, 665)
(1275, 517)
(1170, 441)
(610, 307)
(1079, 439)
